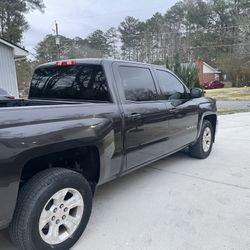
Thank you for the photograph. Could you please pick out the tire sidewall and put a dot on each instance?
(206, 124)
(33, 222)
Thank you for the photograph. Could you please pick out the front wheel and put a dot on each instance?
(52, 212)
(203, 146)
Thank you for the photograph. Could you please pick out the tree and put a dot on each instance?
(216, 31)
(24, 74)
(175, 37)
(12, 19)
(188, 73)
(79, 49)
(154, 39)
(99, 43)
(130, 34)
(47, 50)
(112, 41)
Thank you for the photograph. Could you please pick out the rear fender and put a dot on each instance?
(18, 145)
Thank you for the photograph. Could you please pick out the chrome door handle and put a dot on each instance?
(172, 110)
(135, 116)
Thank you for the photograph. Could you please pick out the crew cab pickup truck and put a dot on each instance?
(86, 122)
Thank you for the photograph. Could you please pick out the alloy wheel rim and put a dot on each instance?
(207, 139)
(61, 216)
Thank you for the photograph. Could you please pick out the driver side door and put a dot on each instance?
(182, 109)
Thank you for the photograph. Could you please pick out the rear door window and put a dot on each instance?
(138, 83)
(80, 82)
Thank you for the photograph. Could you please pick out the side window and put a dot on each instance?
(170, 86)
(138, 83)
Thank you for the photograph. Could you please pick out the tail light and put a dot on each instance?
(10, 97)
(66, 62)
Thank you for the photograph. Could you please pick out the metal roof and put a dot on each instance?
(19, 53)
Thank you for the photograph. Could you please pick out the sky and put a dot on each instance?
(81, 17)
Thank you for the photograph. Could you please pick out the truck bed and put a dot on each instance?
(31, 102)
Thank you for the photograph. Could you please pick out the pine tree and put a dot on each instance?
(12, 19)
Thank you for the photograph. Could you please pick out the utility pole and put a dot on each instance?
(57, 41)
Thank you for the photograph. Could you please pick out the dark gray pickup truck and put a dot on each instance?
(87, 122)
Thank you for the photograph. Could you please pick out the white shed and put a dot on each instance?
(9, 53)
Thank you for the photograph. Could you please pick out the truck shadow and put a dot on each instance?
(126, 186)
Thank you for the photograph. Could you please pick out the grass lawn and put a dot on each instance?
(229, 94)
(232, 111)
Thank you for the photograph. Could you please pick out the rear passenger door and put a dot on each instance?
(145, 117)
(181, 108)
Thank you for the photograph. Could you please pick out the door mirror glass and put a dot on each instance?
(196, 93)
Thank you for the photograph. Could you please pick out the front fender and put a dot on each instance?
(206, 109)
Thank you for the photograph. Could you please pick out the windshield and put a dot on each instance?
(81, 82)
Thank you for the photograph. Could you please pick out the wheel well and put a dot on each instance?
(84, 160)
(213, 121)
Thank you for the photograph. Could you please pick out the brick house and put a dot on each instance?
(207, 72)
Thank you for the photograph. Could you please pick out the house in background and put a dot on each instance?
(206, 72)
(9, 53)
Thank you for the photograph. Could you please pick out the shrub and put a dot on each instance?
(188, 73)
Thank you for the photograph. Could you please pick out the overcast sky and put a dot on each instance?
(81, 17)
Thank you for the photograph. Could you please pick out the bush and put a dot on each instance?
(188, 73)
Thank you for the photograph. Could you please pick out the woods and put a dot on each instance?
(216, 31)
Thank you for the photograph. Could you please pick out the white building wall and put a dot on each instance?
(208, 70)
(8, 80)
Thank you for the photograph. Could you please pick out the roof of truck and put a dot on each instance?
(90, 61)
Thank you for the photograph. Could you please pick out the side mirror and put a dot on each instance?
(196, 93)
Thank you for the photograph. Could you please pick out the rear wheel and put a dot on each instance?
(52, 212)
(203, 146)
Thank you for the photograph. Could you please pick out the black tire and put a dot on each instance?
(24, 228)
(197, 150)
